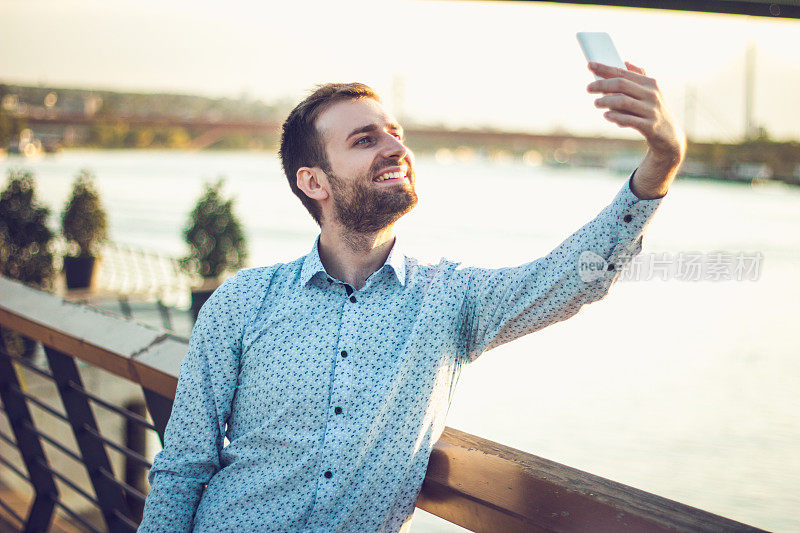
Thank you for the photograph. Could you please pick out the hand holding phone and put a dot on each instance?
(598, 47)
(634, 101)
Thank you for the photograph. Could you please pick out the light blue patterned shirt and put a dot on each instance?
(333, 398)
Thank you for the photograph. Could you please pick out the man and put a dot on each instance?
(331, 376)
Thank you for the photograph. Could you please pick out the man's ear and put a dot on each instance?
(313, 182)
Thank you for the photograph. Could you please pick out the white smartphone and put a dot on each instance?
(598, 47)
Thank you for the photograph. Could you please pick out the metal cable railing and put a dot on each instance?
(66, 481)
(77, 517)
(129, 415)
(135, 271)
(130, 491)
(126, 522)
(119, 502)
(11, 466)
(127, 452)
(27, 364)
(8, 439)
(38, 403)
(10, 510)
(53, 442)
(121, 517)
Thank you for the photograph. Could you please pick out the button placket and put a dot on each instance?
(341, 406)
(342, 384)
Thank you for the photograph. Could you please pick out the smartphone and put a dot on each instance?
(598, 47)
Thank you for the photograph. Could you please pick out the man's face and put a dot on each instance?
(370, 170)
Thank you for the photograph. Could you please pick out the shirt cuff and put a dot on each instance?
(640, 210)
(632, 215)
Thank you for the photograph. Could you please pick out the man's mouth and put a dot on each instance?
(392, 174)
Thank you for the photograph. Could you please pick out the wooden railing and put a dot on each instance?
(473, 482)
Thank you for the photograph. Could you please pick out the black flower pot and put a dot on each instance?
(199, 297)
(78, 271)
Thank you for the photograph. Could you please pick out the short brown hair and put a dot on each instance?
(301, 142)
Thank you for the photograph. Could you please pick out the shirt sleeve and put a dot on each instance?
(501, 305)
(194, 434)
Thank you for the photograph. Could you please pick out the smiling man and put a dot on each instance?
(331, 376)
(345, 158)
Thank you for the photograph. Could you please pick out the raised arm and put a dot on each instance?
(503, 304)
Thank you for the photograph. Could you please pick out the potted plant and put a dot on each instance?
(25, 253)
(84, 226)
(216, 242)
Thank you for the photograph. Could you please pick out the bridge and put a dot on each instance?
(420, 138)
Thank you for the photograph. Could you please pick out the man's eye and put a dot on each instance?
(366, 139)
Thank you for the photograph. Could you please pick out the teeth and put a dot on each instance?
(391, 175)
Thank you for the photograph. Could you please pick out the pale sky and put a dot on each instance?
(507, 65)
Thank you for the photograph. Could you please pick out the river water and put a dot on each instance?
(683, 387)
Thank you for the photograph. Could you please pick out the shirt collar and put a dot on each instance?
(397, 260)
(312, 264)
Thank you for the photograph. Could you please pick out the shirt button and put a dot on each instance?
(353, 299)
(338, 410)
(328, 474)
(611, 266)
(627, 218)
(344, 353)
(330, 280)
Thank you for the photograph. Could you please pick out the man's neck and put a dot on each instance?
(352, 257)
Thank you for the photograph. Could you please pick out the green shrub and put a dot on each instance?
(214, 235)
(25, 253)
(83, 221)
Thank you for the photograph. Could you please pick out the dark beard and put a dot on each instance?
(363, 208)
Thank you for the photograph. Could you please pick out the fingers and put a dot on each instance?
(635, 101)
(624, 120)
(620, 85)
(624, 103)
(606, 71)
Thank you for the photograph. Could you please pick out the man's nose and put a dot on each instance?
(394, 147)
